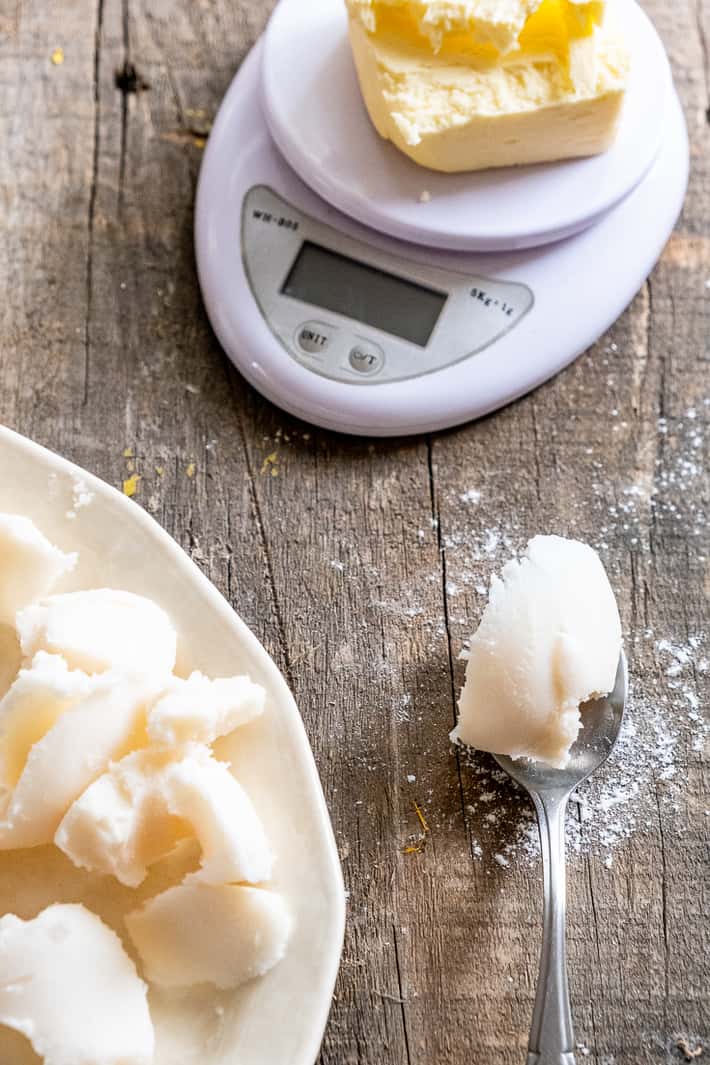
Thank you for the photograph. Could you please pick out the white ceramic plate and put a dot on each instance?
(280, 1019)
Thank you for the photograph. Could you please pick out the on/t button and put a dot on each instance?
(314, 338)
(367, 359)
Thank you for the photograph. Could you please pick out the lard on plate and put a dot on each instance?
(100, 630)
(30, 565)
(201, 710)
(136, 812)
(67, 984)
(202, 934)
(87, 737)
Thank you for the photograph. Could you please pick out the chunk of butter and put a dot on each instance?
(104, 726)
(493, 24)
(30, 565)
(33, 705)
(136, 812)
(470, 84)
(67, 984)
(198, 934)
(201, 710)
(100, 630)
(549, 640)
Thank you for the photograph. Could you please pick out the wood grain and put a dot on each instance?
(357, 563)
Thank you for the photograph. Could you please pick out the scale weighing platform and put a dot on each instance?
(367, 295)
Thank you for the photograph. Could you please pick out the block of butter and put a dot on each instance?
(463, 85)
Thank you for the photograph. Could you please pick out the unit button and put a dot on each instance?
(367, 358)
(314, 338)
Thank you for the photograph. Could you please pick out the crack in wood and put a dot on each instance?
(664, 904)
(263, 540)
(124, 80)
(536, 450)
(403, 1006)
(706, 54)
(436, 518)
(93, 191)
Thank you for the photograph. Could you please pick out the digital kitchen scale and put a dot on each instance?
(367, 295)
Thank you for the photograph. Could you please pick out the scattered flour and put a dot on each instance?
(642, 778)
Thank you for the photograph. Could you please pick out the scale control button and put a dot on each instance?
(367, 358)
(314, 338)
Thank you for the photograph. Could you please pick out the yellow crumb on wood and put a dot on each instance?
(270, 464)
(184, 136)
(422, 818)
(419, 846)
(57, 57)
(130, 486)
(191, 470)
(129, 453)
(160, 471)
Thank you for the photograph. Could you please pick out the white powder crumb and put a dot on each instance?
(192, 389)
(425, 197)
(471, 496)
(411, 779)
(401, 713)
(502, 860)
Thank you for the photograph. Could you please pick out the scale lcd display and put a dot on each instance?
(351, 288)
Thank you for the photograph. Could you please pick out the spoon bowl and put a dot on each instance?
(552, 1032)
(601, 723)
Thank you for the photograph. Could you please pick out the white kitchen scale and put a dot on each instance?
(367, 295)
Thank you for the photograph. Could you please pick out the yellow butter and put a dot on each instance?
(470, 85)
(482, 27)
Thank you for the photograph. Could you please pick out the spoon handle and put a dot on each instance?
(552, 1034)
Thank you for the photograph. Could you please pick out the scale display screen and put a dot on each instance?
(351, 288)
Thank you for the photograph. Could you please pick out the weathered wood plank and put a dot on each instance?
(358, 564)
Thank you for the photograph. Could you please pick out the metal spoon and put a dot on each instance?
(552, 1033)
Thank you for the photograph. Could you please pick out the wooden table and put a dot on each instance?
(363, 565)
